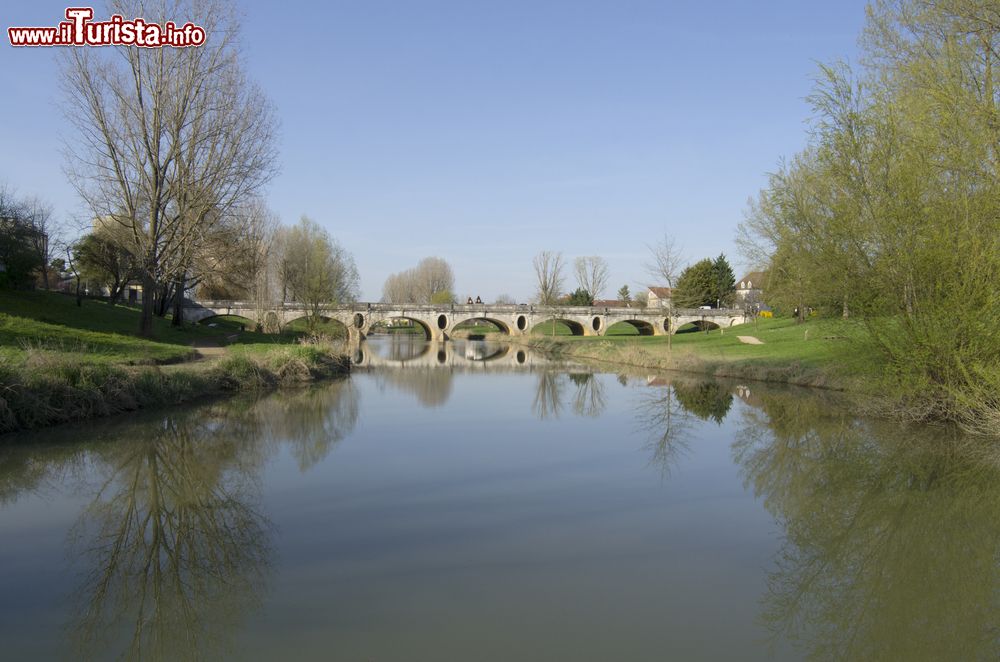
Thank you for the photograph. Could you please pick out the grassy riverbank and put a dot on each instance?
(823, 353)
(60, 362)
(827, 353)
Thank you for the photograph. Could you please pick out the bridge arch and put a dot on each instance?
(330, 326)
(697, 325)
(500, 324)
(575, 328)
(228, 320)
(642, 327)
(423, 325)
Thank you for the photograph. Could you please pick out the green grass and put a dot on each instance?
(95, 332)
(621, 329)
(325, 327)
(805, 353)
(411, 329)
(552, 328)
(62, 362)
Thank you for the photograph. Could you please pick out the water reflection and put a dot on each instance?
(408, 351)
(310, 422)
(892, 534)
(427, 369)
(589, 399)
(549, 389)
(431, 386)
(173, 550)
(889, 537)
(708, 400)
(174, 545)
(667, 424)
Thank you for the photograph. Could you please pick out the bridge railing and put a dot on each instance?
(481, 309)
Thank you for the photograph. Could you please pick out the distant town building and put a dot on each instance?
(750, 288)
(658, 297)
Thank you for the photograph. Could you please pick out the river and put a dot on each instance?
(472, 501)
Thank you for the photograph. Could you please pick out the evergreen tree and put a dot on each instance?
(581, 297)
(623, 294)
(696, 286)
(725, 281)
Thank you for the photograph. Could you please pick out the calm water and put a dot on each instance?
(472, 502)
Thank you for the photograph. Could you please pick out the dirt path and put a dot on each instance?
(750, 340)
(207, 349)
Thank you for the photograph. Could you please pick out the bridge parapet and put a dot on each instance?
(440, 320)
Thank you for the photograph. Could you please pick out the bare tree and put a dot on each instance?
(434, 280)
(43, 237)
(167, 140)
(398, 289)
(665, 267)
(260, 243)
(549, 274)
(504, 300)
(592, 274)
(431, 281)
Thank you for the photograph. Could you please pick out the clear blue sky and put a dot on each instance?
(484, 131)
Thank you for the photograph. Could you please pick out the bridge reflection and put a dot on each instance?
(414, 352)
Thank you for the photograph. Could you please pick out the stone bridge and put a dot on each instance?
(439, 321)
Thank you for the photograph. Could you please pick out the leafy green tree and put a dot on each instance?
(17, 240)
(443, 296)
(624, 295)
(580, 297)
(893, 210)
(697, 285)
(103, 260)
(319, 270)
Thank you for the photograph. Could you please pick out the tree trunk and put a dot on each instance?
(164, 299)
(146, 314)
(178, 319)
(115, 293)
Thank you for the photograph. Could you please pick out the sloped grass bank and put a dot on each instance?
(60, 362)
(56, 390)
(824, 353)
(829, 354)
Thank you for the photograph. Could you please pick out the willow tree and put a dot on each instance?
(167, 140)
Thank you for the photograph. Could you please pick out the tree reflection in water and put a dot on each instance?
(311, 421)
(548, 402)
(666, 414)
(709, 401)
(431, 385)
(589, 399)
(891, 537)
(176, 549)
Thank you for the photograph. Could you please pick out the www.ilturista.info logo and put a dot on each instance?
(79, 30)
